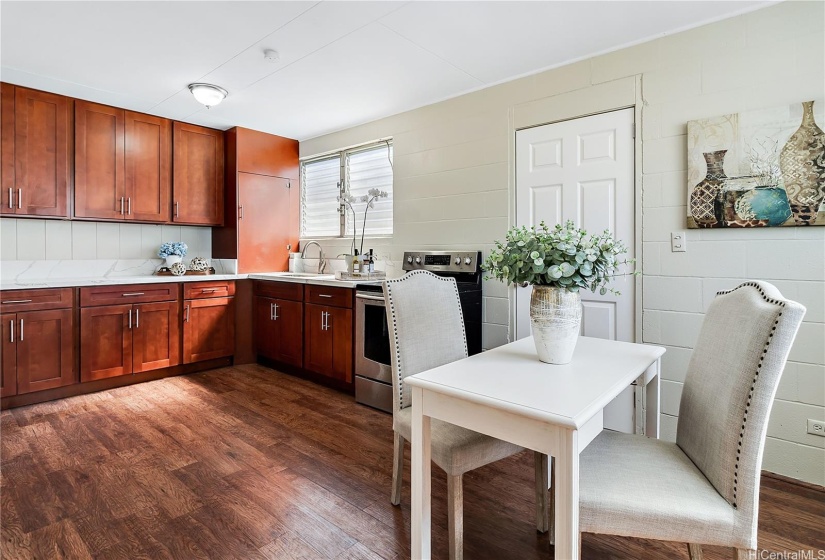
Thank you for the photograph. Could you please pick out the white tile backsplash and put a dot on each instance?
(31, 239)
(61, 240)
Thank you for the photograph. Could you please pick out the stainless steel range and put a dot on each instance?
(373, 369)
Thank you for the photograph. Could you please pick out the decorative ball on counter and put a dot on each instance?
(199, 264)
(178, 269)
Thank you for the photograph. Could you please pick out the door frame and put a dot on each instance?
(601, 98)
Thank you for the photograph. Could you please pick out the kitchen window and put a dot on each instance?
(355, 172)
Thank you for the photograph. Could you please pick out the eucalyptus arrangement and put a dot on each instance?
(557, 262)
(178, 248)
(346, 199)
(564, 257)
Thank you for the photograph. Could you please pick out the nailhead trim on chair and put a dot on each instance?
(755, 376)
(395, 325)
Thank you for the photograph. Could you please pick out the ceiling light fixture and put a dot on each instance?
(207, 94)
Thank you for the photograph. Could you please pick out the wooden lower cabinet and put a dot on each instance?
(37, 351)
(279, 331)
(123, 339)
(208, 329)
(328, 341)
(155, 336)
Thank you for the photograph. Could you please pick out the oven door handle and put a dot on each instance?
(372, 298)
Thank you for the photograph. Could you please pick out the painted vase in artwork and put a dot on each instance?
(705, 200)
(802, 162)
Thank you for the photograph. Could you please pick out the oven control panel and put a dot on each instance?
(442, 261)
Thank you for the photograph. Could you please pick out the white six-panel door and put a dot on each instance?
(583, 170)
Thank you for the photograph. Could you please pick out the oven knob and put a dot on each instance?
(468, 260)
(458, 261)
(417, 260)
(409, 260)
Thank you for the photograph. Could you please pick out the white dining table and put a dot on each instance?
(509, 394)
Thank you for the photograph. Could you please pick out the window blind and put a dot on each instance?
(319, 198)
(367, 169)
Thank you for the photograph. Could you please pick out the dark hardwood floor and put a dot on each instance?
(248, 463)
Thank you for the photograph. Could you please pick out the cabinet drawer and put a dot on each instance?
(199, 290)
(35, 300)
(132, 293)
(280, 290)
(325, 295)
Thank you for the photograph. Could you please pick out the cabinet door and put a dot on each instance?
(42, 148)
(339, 323)
(99, 161)
(266, 329)
(45, 356)
(279, 330)
(148, 168)
(8, 375)
(105, 342)
(263, 223)
(208, 329)
(155, 336)
(7, 188)
(197, 187)
(317, 339)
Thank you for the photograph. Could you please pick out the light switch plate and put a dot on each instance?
(678, 242)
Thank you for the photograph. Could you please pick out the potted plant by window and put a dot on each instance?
(557, 262)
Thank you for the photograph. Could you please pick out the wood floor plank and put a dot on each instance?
(248, 463)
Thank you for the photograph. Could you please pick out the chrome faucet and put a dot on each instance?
(322, 262)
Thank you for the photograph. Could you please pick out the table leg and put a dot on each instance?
(567, 497)
(421, 478)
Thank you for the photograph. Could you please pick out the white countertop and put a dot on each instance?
(324, 280)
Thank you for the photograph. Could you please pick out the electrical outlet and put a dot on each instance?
(816, 427)
(678, 242)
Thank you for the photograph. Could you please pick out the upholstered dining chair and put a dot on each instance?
(427, 330)
(704, 488)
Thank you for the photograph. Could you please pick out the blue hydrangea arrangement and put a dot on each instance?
(172, 248)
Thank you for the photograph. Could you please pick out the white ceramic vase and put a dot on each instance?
(555, 315)
(172, 259)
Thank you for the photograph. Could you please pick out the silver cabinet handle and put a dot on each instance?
(121, 205)
(21, 330)
(271, 312)
(176, 208)
(11, 197)
(130, 318)
(329, 316)
(11, 326)
(323, 320)
(240, 210)
(18, 301)
(20, 203)
(137, 318)
(127, 294)
(129, 205)
(324, 295)
(186, 315)
(275, 305)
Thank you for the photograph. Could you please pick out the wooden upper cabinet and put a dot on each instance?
(7, 188)
(198, 183)
(42, 151)
(148, 175)
(99, 186)
(266, 154)
(123, 164)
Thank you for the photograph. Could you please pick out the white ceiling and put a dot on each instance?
(341, 63)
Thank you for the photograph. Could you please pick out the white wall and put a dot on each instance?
(453, 185)
(26, 239)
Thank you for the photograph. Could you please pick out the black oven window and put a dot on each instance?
(376, 335)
